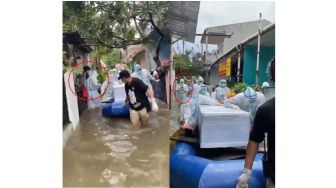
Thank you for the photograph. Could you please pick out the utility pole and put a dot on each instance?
(258, 52)
(239, 60)
(206, 56)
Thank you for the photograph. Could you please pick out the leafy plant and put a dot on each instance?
(114, 24)
(101, 76)
(188, 62)
(240, 87)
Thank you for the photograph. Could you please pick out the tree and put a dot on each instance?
(188, 62)
(114, 24)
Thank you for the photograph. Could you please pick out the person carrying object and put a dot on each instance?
(108, 85)
(199, 97)
(264, 122)
(137, 94)
(249, 101)
(143, 74)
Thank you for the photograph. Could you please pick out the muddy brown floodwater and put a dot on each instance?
(108, 152)
(174, 115)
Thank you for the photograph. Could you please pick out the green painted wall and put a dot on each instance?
(250, 61)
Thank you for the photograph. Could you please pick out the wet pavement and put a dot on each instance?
(108, 152)
(174, 115)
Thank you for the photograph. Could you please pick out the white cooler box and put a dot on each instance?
(119, 92)
(221, 127)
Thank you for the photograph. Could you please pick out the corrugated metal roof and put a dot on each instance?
(267, 39)
(182, 19)
(242, 30)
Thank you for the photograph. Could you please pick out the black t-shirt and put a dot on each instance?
(264, 122)
(136, 93)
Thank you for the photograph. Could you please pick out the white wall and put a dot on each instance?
(240, 32)
(71, 100)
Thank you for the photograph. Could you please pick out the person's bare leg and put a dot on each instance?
(144, 117)
(135, 119)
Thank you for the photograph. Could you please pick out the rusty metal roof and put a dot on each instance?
(182, 19)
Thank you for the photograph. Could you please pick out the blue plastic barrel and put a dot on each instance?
(189, 170)
(116, 109)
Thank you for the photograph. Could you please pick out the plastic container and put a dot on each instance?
(116, 109)
(119, 92)
(189, 170)
(221, 127)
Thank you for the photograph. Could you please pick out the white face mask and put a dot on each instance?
(223, 85)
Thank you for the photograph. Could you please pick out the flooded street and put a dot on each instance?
(108, 152)
(174, 115)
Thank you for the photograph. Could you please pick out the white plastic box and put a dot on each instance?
(221, 127)
(119, 92)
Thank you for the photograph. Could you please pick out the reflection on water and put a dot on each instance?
(174, 114)
(105, 152)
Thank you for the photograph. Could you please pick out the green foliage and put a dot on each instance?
(188, 62)
(112, 23)
(112, 58)
(101, 76)
(239, 87)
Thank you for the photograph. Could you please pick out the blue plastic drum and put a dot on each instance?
(116, 109)
(189, 170)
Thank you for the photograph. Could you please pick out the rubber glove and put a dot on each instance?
(244, 178)
(155, 107)
(185, 87)
(186, 126)
(235, 107)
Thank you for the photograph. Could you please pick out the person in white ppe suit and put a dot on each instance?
(204, 91)
(182, 91)
(92, 85)
(249, 101)
(200, 80)
(107, 86)
(143, 74)
(221, 91)
(265, 84)
(200, 96)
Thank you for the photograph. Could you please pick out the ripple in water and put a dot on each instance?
(121, 149)
(113, 177)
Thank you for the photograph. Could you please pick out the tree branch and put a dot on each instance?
(154, 25)
(157, 50)
(138, 29)
(118, 46)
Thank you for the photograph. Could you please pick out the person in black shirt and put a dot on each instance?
(137, 94)
(264, 122)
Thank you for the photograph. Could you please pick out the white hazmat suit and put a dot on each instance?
(248, 101)
(182, 91)
(143, 75)
(92, 85)
(221, 91)
(108, 96)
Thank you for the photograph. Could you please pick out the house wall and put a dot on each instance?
(214, 77)
(240, 31)
(250, 61)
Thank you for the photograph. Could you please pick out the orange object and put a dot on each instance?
(231, 94)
